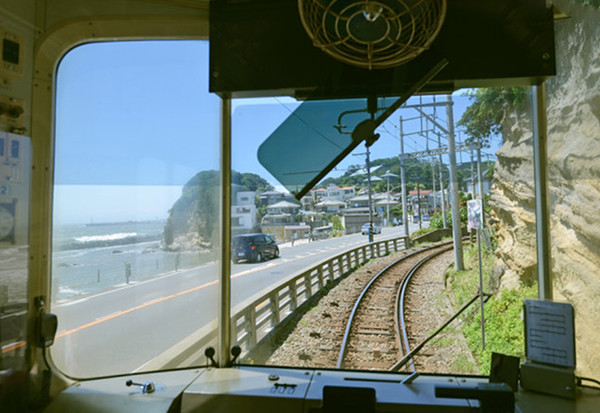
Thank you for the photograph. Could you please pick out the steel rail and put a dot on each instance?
(400, 322)
(344, 345)
(419, 346)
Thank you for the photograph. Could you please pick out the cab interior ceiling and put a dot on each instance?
(259, 48)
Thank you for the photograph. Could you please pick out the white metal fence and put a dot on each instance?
(258, 317)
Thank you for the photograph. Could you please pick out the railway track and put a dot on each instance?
(375, 335)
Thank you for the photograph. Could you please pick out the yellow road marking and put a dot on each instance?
(158, 300)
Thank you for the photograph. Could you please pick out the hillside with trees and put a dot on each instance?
(194, 218)
(417, 171)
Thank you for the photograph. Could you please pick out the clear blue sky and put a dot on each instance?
(135, 121)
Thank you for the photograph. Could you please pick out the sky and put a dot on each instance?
(135, 121)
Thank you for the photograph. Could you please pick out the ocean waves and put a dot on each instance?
(108, 240)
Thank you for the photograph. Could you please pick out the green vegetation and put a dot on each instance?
(463, 364)
(250, 181)
(465, 284)
(593, 3)
(396, 212)
(503, 323)
(436, 221)
(338, 228)
(483, 118)
(417, 172)
(503, 327)
(197, 209)
(421, 231)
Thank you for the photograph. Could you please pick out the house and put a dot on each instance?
(335, 193)
(283, 207)
(281, 213)
(272, 197)
(243, 217)
(308, 202)
(330, 206)
(243, 212)
(471, 185)
(358, 204)
(348, 192)
(245, 198)
(423, 197)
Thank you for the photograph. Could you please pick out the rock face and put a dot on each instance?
(573, 115)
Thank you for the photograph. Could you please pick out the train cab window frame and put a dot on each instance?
(122, 199)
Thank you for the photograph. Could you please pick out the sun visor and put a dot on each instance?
(319, 134)
(311, 139)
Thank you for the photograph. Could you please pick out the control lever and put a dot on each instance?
(209, 353)
(235, 352)
(410, 378)
(493, 397)
(147, 387)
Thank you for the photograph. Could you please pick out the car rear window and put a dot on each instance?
(241, 241)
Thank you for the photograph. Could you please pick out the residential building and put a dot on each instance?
(272, 197)
(330, 206)
(471, 185)
(318, 194)
(348, 192)
(429, 200)
(243, 212)
(283, 212)
(245, 198)
(308, 202)
(359, 201)
(335, 193)
(283, 207)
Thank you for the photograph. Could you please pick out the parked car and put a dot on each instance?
(253, 248)
(365, 229)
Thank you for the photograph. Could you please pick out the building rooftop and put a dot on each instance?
(284, 204)
(330, 202)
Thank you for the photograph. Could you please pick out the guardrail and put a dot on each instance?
(257, 318)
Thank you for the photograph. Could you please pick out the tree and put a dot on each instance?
(250, 181)
(396, 211)
(337, 227)
(483, 118)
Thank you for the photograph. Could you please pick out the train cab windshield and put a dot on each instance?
(135, 218)
(163, 223)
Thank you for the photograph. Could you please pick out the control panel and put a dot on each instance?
(11, 55)
(12, 112)
(278, 389)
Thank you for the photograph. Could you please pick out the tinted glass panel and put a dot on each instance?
(311, 138)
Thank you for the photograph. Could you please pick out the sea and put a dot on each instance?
(89, 258)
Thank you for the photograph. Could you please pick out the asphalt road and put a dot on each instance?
(119, 330)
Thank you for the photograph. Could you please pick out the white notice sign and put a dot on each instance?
(474, 214)
(550, 333)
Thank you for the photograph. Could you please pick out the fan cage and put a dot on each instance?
(372, 34)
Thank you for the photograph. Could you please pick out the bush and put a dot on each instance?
(421, 231)
(436, 221)
(503, 321)
(503, 327)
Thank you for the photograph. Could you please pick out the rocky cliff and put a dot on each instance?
(573, 113)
